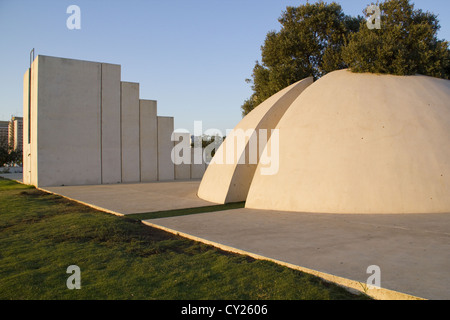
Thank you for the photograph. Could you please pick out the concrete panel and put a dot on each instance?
(26, 163)
(33, 119)
(130, 132)
(183, 160)
(411, 250)
(166, 169)
(227, 179)
(69, 137)
(123, 199)
(149, 140)
(110, 110)
(197, 169)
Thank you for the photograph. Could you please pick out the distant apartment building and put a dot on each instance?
(4, 132)
(15, 133)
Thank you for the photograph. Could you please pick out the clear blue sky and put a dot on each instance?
(191, 56)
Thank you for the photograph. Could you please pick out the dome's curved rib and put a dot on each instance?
(228, 181)
(362, 143)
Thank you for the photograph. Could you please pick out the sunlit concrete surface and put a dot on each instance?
(412, 251)
(229, 180)
(348, 143)
(362, 143)
(130, 198)
(84, 126)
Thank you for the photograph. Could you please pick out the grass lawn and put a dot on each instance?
(120, 258)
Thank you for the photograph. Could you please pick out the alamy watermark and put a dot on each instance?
(249, 146)
(74, 281)
(73, 22)
(374, 20)
(374, 281)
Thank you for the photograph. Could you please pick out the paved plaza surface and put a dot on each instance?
(411, 250)
(12, 176)
(123, 199)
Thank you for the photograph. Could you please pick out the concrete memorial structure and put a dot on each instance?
(229, 181)
(82, 125)
(353, 143)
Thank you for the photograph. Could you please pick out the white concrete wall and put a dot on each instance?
(89, 127)
(182, 161)
(148, 140)
(166, 169)
(33, 147)
(110, 126)
(26, 163)
(69, 137)
(197, 169)
(130, 132)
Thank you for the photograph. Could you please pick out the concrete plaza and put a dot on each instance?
(128, 198)
(411, 250)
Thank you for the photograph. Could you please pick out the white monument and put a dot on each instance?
(82, 125)
(351, 143)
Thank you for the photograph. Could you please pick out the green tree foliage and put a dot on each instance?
(319, 38)
(4, 156)
(309, 43)
(406, 44)
(8, 156)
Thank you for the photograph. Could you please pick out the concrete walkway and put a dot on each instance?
(12, 176)
(412, 251)
(123, 199)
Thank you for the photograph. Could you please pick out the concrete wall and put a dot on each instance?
(30, 81)
(182, 155)
(26, 162)
(130, 132)
(166, 167)
(33, 115)
(110, 126)
(69, 138)
(148, 140)
(86, 126)
(197, 169)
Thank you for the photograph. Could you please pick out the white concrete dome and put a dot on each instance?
(228, 180)
(361, 143)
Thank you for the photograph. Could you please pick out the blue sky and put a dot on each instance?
(191, 56)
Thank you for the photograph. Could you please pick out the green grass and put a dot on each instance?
(120, 258)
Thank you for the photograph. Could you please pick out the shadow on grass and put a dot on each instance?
(184, 212)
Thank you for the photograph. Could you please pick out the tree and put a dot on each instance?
(9, 156)
(4, 156)
(207, 140)
(309, 43)
(406, 44)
